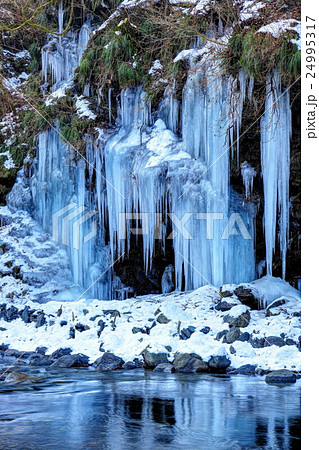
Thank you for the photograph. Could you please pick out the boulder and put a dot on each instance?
(129, 365)
(18, 377)
(151, 360)
(41, 350)
(12, 313)
(61, 352)
(276, 303)
(162, 319)
(164, 367)
(289, 341)
(221, 334)
(63, 323)
(72, 333)
(218, 363)
(25, 314)
(257, 342)
(247, 297)
(187, 332)
(274, 340)
(237, 318)
(107, 362)
(232, 335)
(243, 337)
(281, 377)
(223, 306)
(80, 327)
(246, 369)
(205, 330)
(189, 363)
(40, 360)
(40, 320)
(77, 360)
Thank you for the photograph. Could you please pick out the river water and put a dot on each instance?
(83, 409)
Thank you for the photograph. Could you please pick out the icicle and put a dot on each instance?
(275, 130)
(248, 174)
(60, 20)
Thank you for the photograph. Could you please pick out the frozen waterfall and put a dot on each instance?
(275, 130)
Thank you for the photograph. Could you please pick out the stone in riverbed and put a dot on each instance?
(40, 360)
(281, 377)
(246, 369)
(164, 367)
(218, 363)
(18, 377)
(189, 363)
(129, 365)
(289, 341)
(61, 352)
(232, 335)
(274, 340)
(77, 360)
(152, 360)
(41, 350)
(25, 314)
(107, 362)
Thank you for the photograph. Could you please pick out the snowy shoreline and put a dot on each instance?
(203, 322)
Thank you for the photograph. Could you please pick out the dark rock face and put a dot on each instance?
(281, 377)
(164, 367)
(63, 323)
(205, 330)
(189, 363)
(61, 352)
(232, 335)
(241, 321)
(223, 306)
(218, 363)
(162, 319)
(247, 298)
(274, 340)
(187, 332)
(107, 362)
(243, 337)
(151, 360)
(77, 360)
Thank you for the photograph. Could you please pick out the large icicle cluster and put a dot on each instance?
(275, 130)
(143, 166)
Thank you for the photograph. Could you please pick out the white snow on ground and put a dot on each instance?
(182, 309)
(83, 108)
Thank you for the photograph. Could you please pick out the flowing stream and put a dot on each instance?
(80, 408)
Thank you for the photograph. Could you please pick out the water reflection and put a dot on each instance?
(83, 409)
